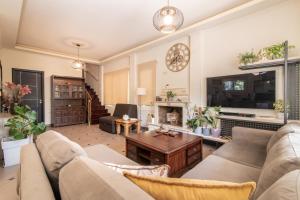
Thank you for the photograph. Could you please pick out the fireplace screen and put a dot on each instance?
(170, 115)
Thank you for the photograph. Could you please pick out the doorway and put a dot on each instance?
(35, 81)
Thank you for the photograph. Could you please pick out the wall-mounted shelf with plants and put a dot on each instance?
(267, 57)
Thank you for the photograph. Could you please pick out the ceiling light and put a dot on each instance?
(168, 19)
(77, 64)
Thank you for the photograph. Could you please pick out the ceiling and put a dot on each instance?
(106, 27)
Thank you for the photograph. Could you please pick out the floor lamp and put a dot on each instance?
(140, 92)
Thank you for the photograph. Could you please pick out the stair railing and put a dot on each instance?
(89, 107)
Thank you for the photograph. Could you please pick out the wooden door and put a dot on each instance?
(35, 81)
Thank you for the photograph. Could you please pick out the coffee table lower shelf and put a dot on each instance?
(179, 161)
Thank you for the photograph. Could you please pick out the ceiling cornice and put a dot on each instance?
(54, 53)
(241, 10)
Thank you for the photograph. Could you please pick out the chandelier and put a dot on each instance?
(168, 19)
(77, 64)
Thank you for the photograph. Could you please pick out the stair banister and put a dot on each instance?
(89, 107)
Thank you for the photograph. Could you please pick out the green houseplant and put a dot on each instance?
(196, 123)
(212, 118)
(248, 58)
(170, 95)
(275, 51)
(22, 126)
(278, 106)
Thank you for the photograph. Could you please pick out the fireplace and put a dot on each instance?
(171, 115)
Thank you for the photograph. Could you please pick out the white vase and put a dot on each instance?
(215, 132)
(198, 130)
(206, 131)
(11, 149)
(280, 115)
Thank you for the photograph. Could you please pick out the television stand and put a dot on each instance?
(228, 122)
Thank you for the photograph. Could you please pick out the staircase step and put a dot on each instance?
(98, 110)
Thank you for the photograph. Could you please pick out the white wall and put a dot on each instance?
(214, 50)
(11, 58)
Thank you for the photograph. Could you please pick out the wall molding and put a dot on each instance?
(54, 53)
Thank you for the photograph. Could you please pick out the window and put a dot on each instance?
(116, 87)
(146, 79)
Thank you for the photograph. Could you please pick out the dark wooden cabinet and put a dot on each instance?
(67, 101)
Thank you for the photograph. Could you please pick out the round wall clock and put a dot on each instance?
(177, 58)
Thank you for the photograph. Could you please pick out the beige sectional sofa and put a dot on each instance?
(271, 159)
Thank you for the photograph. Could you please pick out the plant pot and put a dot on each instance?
(280, 115)
(11, 149)
(215, 132)
(206, 131)
(198, 130)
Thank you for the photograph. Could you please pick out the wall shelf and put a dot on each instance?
(270, 63)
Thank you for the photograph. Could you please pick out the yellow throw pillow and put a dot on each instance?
(190, 189)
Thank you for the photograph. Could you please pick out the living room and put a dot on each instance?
(212, 85)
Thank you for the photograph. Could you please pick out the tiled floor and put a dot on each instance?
(81, 134)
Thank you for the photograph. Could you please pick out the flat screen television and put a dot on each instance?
(253, 90)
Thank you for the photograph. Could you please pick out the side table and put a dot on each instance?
(127, 124)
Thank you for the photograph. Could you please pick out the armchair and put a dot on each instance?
(108, 123)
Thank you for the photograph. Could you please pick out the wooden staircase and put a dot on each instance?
(97, 110)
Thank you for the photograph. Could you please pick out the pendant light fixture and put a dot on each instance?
(77, 64)
(168, 19)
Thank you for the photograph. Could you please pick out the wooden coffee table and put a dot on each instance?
(181, 152)
(127, 125)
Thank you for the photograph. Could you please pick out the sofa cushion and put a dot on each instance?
(286, 188)
(221, 169)
(102, 153)
(150, 170)
(84, 178)
(278, 135)
(33, 180)
(180, 189)
(282, 158)
(286, 129)
(56, 151)
(246, 153)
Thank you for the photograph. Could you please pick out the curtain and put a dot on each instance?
(116, 87)
(293, 91)
(146, 79)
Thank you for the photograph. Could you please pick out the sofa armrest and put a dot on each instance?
(251, 135)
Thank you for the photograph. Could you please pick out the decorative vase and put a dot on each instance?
(215, 132)
(206, 131)
(280, 115)
(198, 130)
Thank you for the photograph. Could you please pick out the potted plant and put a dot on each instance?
(170, 95)
(22, 126)
(248, 58)
(279, 108)
(275, 51)
(212, 117)
(12, 95)
(196, 124)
